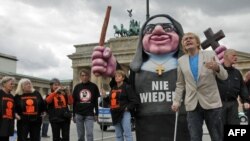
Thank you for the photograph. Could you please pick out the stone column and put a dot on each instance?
(75, 76)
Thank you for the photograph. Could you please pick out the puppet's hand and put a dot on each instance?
(220, 52)
(103, 62)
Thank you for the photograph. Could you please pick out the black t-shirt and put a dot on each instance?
(30, 106)
(7, 107)
(85, 97)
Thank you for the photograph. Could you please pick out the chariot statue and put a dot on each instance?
(134, 28)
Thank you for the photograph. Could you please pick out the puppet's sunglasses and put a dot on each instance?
(167, 27)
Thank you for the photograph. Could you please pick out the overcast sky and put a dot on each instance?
(41, 33)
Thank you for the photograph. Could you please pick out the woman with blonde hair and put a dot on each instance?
(30, 107)
(122, 101)
(6, 108)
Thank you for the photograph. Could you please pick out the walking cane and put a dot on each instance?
(101, 43)
(175, 125)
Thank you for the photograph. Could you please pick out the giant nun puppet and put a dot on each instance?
(153, 76)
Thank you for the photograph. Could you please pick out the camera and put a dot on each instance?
(62, 90)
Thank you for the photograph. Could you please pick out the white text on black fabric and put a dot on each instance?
(160, 93)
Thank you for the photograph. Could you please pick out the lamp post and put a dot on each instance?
(147, 8)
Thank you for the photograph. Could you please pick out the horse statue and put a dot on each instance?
(134, 28)
(120, 32)
(124, 32)
(117, 31)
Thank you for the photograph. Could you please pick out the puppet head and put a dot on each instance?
(160, 34)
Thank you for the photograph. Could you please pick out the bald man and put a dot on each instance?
(231, 88)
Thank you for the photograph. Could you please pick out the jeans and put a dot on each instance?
(82, 123)
(45, 127)
(123, 128)
(212, 119)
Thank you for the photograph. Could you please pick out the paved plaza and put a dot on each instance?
(108, 135)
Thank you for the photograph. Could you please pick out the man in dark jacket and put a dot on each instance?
(247, 81)
(232, 88)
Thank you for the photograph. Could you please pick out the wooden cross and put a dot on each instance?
(212, 39)
(159, 69)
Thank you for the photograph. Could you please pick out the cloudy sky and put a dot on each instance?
(41, 33)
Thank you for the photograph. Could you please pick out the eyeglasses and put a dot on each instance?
(167, 27)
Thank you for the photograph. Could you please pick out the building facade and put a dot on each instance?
(8, 68)
(7, 63)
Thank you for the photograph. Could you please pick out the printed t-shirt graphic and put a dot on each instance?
(60, 101)
(30, 103)
(114, 99)
(85, 96)
(8, 105)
